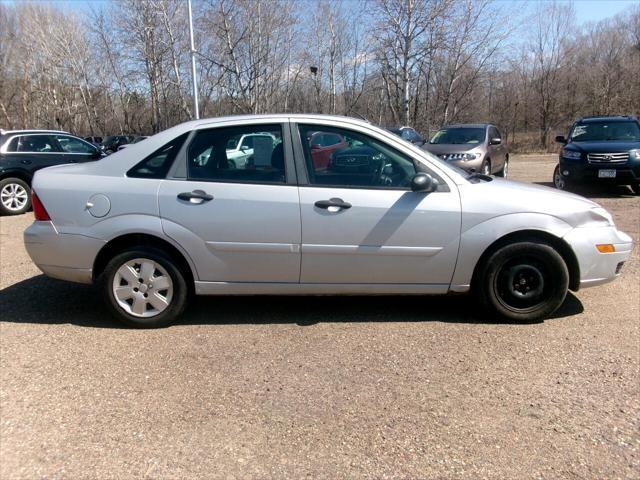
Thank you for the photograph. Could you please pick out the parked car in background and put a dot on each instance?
(603, 149)
(250, 149)
(472, 147)
(386, 218)
(97, 141)
(323, 145)
(111, 144)
(135, 140)
(23, 152)
(408, 134)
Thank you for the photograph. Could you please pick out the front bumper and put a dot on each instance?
(597, 268)
(581, 171)
(62, 256)
(468, 165)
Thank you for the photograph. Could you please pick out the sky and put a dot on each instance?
(585, 10)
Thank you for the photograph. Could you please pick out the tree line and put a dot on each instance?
(125, 68)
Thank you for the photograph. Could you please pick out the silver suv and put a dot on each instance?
(472, 147)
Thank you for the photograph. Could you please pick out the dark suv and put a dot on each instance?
(22, 152)
(600, 150)
(112, 143)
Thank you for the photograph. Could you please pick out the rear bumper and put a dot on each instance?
(597, 268)
(62, 256)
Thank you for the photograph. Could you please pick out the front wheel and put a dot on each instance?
(486, 168)
(636, 188)
(144, 288)
(523, 281)
(15, 196)
(559, 181)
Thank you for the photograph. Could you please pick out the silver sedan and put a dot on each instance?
(370, 214)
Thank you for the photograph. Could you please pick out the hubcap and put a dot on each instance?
(486, 169)
(142, 288)
(14, 196)
(522, 284)
(505, 169)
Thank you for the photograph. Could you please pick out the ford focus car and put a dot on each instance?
(170, 216)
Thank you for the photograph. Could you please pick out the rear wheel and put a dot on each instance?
(15, 196)
(144, 288)
(524, 281)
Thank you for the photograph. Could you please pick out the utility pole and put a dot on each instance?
(196, 112)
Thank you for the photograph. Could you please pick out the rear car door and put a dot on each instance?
(241, 224)
(32, 152)
(362, 224)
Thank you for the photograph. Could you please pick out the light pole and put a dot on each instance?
(196, 112)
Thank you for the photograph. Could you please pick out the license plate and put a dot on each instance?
(606, 174)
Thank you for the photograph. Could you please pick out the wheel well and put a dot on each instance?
(117, 245)
(558, 244)
(17, 174)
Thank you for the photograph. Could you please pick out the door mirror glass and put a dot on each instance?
(423, 182)
(495, 141)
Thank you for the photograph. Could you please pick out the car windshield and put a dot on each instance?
(606, 131)
(458, 135)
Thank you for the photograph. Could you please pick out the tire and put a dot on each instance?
(485, 169)
(15, 196)
(524, 281)
(108, 152)
(142, 304)
(636, 188)
(559, 181)
(505, 169)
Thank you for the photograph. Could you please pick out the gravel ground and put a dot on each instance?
(320, 387)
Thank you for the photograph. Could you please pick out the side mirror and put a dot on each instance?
(315, 146)
(97, 153)
(244, 148)
(561, 139)
(423, 182)
(495, 141)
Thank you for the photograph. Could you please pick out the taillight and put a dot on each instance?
(38, 209)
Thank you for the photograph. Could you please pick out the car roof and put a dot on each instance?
(607, 118)
(17, 132)
(468, 125)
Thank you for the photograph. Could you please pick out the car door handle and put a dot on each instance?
(25, 162)
(197, 196)
(332, 202)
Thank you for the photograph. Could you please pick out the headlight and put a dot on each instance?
(635, 154)
(572, 154)
(450, 157)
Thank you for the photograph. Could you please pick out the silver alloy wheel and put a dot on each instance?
(505, 169)
(486, 168)
(142, 288)
(14, 196)
(558, 180)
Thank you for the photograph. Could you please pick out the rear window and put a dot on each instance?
(157, 164)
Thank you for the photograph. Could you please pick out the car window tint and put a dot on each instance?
(37, 144)
(357, 160)
(159, 162)
(260, 158)
(74, 145)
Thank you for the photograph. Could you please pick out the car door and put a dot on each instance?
(239, 224)
(361, 223)
(77, 150)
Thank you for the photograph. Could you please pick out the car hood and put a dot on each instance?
(602, 147)
(441, 148)
(504, 197)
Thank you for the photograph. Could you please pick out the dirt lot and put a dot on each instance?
(320, 387)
